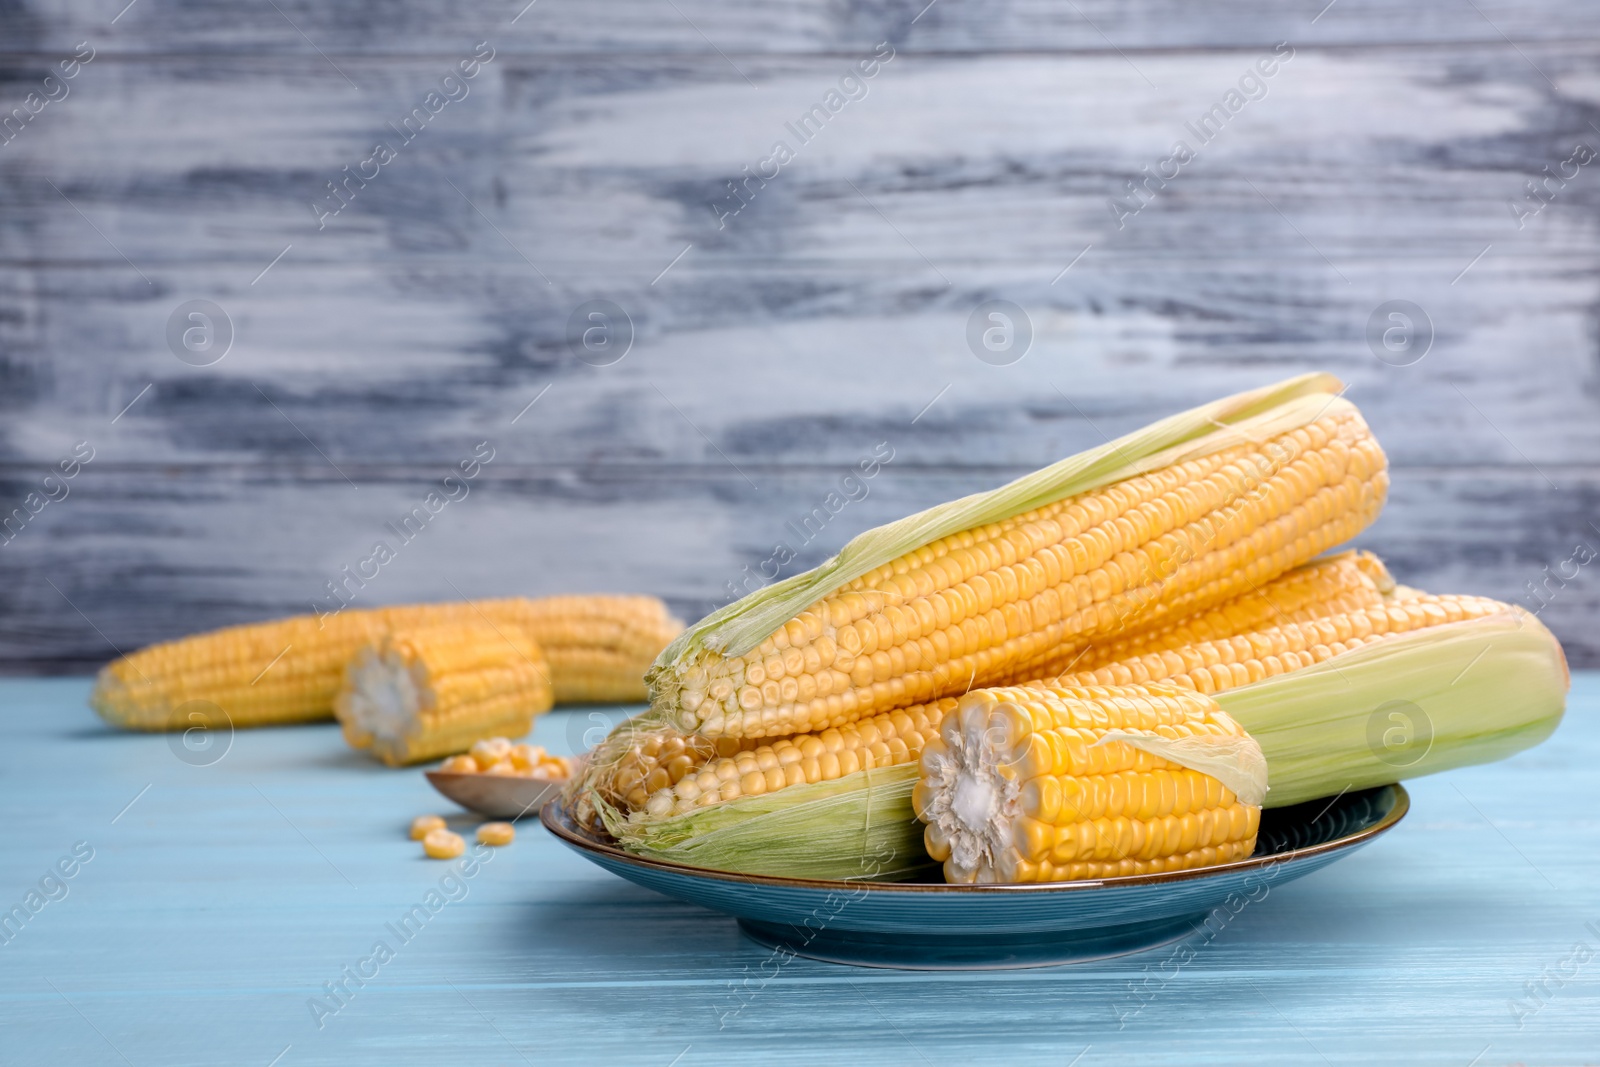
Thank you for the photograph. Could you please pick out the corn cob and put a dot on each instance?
(290, 670)
(1019, 596)
(669, 774)
(653, 773)
(1466, 692)
(418, 694)
(599, 647)
(1231, 662)
(1480, 689)
(673, 774)
(1331, 585)
(886, 740)
(263, 673)
(1061, 783)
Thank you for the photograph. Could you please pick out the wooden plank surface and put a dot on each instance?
(132, 556)
(772, 348)
(163, 27)
(223, 897)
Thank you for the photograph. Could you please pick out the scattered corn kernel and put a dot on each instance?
(422, 825)
(496, 833)
(442, 844)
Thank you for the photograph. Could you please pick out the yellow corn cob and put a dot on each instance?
(886, 740)
(1230, 662)
(1475, 687)
(1020, 598)
(418, 694)
(290, 670)
(599, 647)
(669, 774)
(649, 775)
(1328, 586)
(1058, 784)
(263, 673)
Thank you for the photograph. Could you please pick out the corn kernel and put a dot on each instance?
(422, 825)
(496, 833)
(459, 765)
(490, 751)
(441, 844)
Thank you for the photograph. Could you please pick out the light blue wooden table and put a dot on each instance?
(220, 899)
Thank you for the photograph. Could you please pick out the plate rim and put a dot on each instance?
(554, 817)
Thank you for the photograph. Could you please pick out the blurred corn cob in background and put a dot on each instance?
(261, 673)
(599, 647)
(801, 767)
(417, 694)
(290, 670)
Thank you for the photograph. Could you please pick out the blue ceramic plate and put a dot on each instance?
(938, 927)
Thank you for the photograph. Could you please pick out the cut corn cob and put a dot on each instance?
(290, 670)
(1013, 584)
(599, 647)
(418, 694)
(1062, 783)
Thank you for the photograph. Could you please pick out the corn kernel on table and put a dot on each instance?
(227, 910)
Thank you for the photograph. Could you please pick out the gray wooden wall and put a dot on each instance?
(1387, 158)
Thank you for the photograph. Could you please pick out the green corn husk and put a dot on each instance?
(1485, 689)
(856, 828)
(1419, 703)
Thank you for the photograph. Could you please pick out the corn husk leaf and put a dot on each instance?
(856, 828)
(1416, 704)
(1236, 762)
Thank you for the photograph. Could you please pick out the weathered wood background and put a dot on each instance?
(776, 347)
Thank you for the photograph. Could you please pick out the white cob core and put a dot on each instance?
(384, 700)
